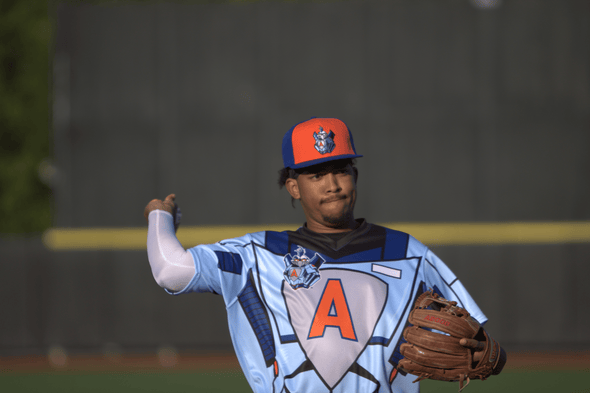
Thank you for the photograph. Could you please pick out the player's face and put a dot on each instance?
(327, 193)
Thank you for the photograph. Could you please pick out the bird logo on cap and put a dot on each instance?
(324, 142)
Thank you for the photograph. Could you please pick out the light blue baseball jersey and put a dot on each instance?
(308, 313)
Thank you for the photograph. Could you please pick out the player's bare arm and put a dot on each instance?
(172, 266)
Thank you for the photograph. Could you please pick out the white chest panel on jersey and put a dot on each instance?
(340, 311)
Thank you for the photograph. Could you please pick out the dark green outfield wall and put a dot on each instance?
(462, 114)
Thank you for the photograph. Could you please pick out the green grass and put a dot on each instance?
(164, 382)
(519, 382)
(234, 382)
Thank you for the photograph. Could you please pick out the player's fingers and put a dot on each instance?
(477, 356)
(169, 201)
(477, 346)
(473, 344)
(157, 204)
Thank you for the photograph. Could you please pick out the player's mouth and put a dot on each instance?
(334, 199)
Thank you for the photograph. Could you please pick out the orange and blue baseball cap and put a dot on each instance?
(315, 141)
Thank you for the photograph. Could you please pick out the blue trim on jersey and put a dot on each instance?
(437, 291)
(229, 262)
(396, 245)
(378, 340)
(277, 242)
(288, 338)
(397, 355)
(258, 318)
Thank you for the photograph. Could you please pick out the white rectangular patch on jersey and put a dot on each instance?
(388, 271)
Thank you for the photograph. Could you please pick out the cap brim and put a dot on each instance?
(324, 159)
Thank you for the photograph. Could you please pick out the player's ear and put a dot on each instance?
(293, 187)
(355, 174)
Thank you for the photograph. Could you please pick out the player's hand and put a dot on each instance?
(476, 346)
(167, 205)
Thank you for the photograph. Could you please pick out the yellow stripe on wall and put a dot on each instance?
(477, 233)
(496, 233)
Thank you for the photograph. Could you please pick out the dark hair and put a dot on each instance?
(290, 173)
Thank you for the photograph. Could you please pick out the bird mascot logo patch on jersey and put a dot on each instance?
(301, 270)
(324, 142)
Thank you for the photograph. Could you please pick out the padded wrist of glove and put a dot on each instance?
(492, 360)
(177, 215)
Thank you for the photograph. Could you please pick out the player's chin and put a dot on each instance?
(339, 218)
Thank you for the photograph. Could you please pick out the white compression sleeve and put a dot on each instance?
(172, 266)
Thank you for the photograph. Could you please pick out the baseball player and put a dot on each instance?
(322, 308)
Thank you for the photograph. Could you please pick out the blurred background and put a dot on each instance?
(466, 111)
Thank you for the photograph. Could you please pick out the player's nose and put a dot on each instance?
(332, 184)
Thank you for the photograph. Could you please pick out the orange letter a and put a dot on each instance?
(333, 311)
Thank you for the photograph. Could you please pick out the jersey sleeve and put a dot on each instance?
(221, 268)
(439, 277)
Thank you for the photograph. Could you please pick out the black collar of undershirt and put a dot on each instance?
(336, 240)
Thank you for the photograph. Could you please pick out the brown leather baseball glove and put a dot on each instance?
(461, 349)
